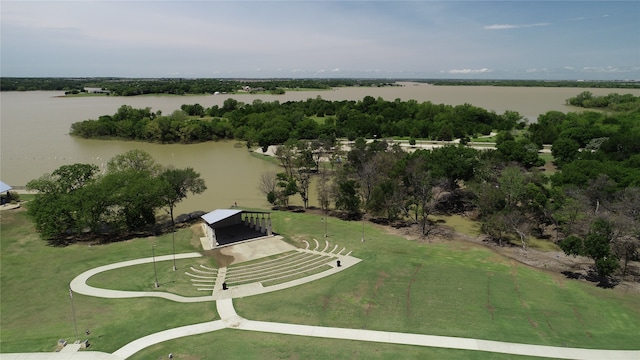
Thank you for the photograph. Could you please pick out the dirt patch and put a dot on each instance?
(326, 300)
(223, 260)
(379, 282)
(413, 279)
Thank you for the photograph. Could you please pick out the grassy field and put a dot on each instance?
(231, 345)
(35, 308)
(453, 288)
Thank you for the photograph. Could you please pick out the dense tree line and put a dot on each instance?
(144, 125)
(589, 144)
(589, 207)
(180, 86)
(599, 219)
(49, 84)
(614, 101)
(271, 123)
(176, 86)
(536, 83)
(76, 201)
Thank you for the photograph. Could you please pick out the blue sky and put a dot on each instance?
(414, 39)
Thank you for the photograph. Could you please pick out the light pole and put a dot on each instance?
(73, 311)
(324, 220)
(173, 234)
(362, 240)
(155, 273)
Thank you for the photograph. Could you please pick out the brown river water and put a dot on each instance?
(34, 130)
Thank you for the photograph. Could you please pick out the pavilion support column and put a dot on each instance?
(269, 231)
(263, 229)
(256, 226)
(213, 240)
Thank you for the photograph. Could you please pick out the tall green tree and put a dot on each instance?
(136, 160)
(564, 150)
(138, 196)
(74, 201)
(596, 245)
(451, 162)
(346, 196)
(177, 184)
(56, 209)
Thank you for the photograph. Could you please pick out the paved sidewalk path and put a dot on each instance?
(230, 319)
(149, 340)
(80, 286)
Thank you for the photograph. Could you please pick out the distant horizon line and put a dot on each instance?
(241, 78)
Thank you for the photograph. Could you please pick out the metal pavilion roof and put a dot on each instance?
(219, 215)
(4, 187)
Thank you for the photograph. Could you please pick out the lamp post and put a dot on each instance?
(155, 273)
(324, 220)
(73, 311)
(364, 212)
(173, 234)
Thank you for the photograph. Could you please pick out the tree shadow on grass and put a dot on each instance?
(107, 235)
(604, 282)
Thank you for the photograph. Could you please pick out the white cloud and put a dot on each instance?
(600, 69)
(534, 70)
(499, 27)
(512, 26)
(468, 71)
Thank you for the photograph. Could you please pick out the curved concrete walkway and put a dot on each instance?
(79, 283)
(230, 319)
(233, 320)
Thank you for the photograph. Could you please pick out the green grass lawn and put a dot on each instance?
(35, 308)
(459, 223)
(321, 119)
(546, 157)
(85, 94)
(453, 288)
(271, 159)
(491, 140)
(242, 345)
(175, 282)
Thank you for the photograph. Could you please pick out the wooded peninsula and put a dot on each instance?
(586, 198)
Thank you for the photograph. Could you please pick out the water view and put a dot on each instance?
(35, 126)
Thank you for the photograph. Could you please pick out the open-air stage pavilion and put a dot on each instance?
(224, 227)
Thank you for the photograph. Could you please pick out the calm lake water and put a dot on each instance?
(34, 130)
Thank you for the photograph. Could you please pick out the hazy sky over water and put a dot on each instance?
(397, 39)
